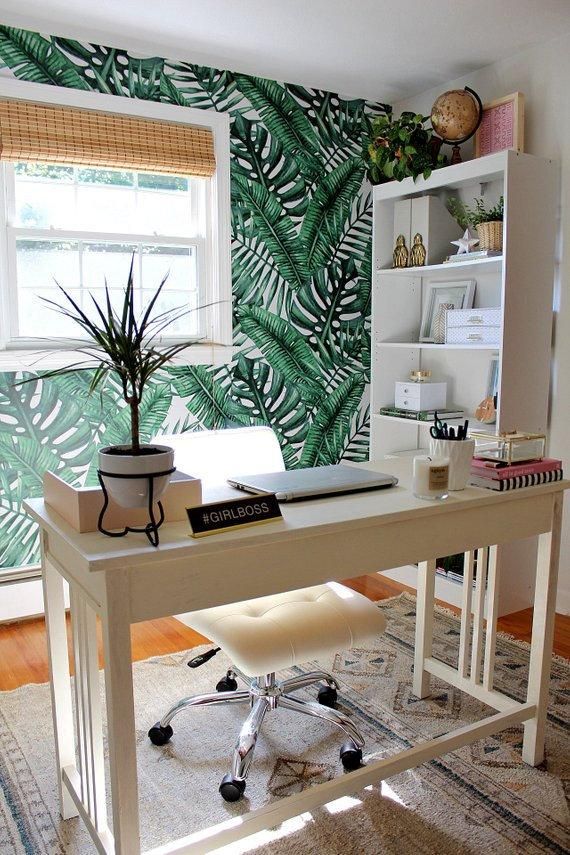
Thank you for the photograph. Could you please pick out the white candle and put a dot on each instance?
(431, 477)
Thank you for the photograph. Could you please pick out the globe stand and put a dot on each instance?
(152, 526)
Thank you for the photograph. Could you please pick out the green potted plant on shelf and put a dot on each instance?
(488, 222)
(398, 148)
(128, 344)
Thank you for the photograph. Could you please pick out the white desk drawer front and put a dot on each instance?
(420, 396)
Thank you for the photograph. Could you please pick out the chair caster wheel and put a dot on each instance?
(231, 789)
(327, 696)
(160, 735)
(351, 756)
(226, 684)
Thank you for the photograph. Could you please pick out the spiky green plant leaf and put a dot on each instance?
(38, 60)
(285, 350)
(275, 228)
(326, 439)
(328, 210)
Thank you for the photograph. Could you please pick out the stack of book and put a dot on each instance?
(497, 476)
(421, 415)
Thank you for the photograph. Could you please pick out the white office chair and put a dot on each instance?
(272, 633)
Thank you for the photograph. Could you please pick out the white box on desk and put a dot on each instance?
(420, 396)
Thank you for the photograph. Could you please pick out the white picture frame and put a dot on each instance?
(460, 293)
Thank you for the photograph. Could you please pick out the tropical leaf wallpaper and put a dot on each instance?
(301, 258)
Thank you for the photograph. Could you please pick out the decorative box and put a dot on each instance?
(81, 506)
(473, 326)
(420, 396)
(509, 447)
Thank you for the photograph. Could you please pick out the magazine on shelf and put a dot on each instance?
(421, 415)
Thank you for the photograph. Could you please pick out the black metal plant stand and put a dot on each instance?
(151, 528)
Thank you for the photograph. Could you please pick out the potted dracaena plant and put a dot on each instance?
(128, 344)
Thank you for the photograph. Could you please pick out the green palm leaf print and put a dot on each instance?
(38, 60)
(275, 228)
(329, 209)
(260, 396)
(285, 350)
(284, 119)
(208, 399)
(326, 439)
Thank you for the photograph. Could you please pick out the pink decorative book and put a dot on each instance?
(488, 469)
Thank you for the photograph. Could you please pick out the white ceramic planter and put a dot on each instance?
(133, 492)
(460, 454)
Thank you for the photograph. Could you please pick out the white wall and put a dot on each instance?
(542, 73)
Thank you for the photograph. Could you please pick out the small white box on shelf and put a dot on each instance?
(473, 326)
(420, 396)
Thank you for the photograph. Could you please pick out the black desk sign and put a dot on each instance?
(233, 513)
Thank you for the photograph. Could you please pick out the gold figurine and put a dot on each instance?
(418, 253)
(400, 254)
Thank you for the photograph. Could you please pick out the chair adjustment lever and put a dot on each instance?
(203, 657)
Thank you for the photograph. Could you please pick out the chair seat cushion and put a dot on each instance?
(271, 633)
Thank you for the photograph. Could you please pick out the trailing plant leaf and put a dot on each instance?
(285, 350)
(328, 210)
(38, 60)
(326, 439)
(275, 228)
(284, 119)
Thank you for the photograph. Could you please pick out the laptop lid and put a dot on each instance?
(313, 482)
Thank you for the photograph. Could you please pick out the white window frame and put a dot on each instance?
(217, 348)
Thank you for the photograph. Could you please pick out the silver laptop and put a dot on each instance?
(313, 482)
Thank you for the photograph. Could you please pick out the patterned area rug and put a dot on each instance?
(480, 798)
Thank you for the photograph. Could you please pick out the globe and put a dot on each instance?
(456, 114)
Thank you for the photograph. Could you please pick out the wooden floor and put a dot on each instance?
(23, 653)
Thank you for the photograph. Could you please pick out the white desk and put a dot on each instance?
(125, 581)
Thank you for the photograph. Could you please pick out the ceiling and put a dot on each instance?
(378, 49)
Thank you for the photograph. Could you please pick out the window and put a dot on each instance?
(77, 225)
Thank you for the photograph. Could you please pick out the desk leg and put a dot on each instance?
(60, 681)
(120, 713)
(542, 636)
(424, 626)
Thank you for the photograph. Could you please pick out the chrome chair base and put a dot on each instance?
(265, 693)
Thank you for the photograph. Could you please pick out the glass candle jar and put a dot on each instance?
(430, 477)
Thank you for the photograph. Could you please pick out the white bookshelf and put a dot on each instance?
(520, 282)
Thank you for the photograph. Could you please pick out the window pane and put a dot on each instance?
(113, 177)
(108, 262)
(177, 263)
(44, 204)
(181, 304)
(39, 263)
(49, 171)
(162, 182)
(108, 200)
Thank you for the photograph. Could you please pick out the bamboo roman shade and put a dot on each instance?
(53, 134)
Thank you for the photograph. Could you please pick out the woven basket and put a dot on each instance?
(490, 235)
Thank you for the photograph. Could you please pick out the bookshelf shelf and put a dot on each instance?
(425, 345)
(454, 267)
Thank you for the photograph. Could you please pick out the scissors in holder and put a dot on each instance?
(439, 429)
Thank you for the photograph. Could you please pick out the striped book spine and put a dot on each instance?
(519, 481)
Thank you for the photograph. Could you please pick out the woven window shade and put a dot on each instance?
(50, 134)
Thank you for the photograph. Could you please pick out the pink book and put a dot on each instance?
(489, 468)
